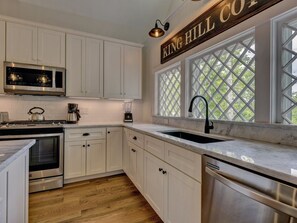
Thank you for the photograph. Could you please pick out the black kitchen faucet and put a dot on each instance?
(208, 124)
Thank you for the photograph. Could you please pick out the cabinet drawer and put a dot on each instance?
(85, 134)
(136, 138)
(184, 160)
(155, 146)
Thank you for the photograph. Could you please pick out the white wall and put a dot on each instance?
(56, 108)
(179, 20)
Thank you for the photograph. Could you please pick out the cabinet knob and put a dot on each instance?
(135, 138)
(108, 132)
(164, 172)
(84, 145)
(160, 169)
(133, 150)
(88, 145)
(86, 134)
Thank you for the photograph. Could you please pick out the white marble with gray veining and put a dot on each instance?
(275, 160)
(11, 150)
(93, 125)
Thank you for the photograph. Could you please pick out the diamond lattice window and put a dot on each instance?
(226, 77)
(169, 84)
(289, 73)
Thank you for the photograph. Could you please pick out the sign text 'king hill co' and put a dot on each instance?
(220, 17)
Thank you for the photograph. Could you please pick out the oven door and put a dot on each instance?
(46, 156)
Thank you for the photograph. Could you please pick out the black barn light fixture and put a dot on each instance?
(158, 32)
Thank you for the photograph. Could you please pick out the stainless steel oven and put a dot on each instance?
(231, 194)
(46, 156)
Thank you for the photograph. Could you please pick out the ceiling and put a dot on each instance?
(127, 19)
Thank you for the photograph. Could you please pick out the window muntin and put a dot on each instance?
(169, 92)
(288, 80)
(226, 77)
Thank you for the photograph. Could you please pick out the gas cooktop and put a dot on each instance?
(33, 124)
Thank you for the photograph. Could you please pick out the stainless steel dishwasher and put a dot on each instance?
(231, 194)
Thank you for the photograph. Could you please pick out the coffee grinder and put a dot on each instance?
(128, 112)
(73, 115)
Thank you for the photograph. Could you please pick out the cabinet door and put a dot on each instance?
(75, 159)
(126, 152)
(183, 198)
(136, 165)
(113, 67)
(21, 43)
(2, 54)
(75, 66)
(17, 190)
(132, 72)
(155, 183)
(3, 195)
(94, 68)
(51, 48)
(114, 147)
(96, 153)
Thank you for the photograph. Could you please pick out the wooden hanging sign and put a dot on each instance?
(220, 17)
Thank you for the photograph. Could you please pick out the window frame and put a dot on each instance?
(157, 87)
(229, 41)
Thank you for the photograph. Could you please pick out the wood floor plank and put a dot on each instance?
(105, 200)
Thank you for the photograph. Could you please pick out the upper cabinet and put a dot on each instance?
(84, 65)
(122, 71)
(2, 53)
(29, 44)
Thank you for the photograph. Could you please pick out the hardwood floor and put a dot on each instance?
(106, 200)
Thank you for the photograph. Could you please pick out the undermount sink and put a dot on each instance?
(192, 137)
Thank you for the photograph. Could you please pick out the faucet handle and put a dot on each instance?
(211, 125)
(190, 114)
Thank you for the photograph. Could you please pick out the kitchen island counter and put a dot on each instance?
(11, 150)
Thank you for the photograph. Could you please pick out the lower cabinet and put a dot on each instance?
(14, 183)
(83, 158)
(114, 149)
(136, 165)
(174, 196)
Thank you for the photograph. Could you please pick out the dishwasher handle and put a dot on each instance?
(257, 196)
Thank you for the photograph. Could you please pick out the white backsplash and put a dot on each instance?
(92, 110)
(273, 133)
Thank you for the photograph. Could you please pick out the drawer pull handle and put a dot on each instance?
(133, 150)
(135, 138)
(164, 172)
(86, 134)
(160, 169)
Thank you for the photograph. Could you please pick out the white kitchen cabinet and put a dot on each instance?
(83, 158)
(75, 159)
(122, 71)
(85, 152)
(33, 45)
(174, 196)
(84, 64)
(51, 48)
(126, 152)
(114, 148)
(155, 183)
(96, 153)
(3, 195)
(21, 43)
(182, 198)
(136, 165)
(14, 184)
(2, 54)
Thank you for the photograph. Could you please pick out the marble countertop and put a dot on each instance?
(11, 150)
(93, 124)
(278, 161)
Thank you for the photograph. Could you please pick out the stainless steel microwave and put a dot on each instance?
(33, 79)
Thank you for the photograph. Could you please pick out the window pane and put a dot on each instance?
(169, 92)
(289, 73)
(226, 78)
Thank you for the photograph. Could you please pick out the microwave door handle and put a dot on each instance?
(257, 196)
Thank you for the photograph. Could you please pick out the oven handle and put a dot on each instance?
(257, 196)
(30, 136)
